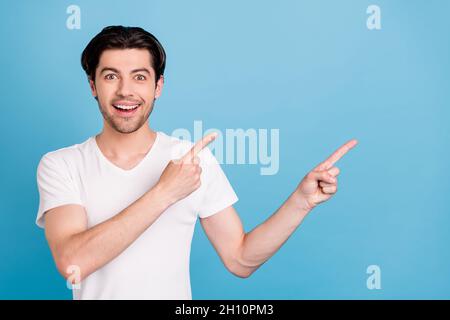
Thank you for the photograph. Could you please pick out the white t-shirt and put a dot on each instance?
(156, 265)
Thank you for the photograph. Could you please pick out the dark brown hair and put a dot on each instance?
(120, 37)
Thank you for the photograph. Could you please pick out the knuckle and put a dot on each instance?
(331, 189)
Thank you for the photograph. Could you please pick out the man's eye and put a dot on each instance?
(140, 77)
(110, 76)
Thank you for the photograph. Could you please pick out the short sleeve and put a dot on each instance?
(56, 187)
(218, 193)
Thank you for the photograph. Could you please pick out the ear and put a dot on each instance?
(159, 86)
(93, 89)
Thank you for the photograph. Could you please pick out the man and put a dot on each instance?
(119, 209)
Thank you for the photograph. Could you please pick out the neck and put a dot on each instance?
(125, 145)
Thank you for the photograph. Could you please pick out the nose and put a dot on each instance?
(124, 88)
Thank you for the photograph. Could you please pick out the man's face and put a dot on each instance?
(125, 88)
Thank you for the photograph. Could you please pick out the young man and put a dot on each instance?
(119, 209)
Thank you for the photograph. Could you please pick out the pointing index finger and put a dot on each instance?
(199, 146)
(328, 163)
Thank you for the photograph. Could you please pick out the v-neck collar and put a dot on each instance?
(119, 169)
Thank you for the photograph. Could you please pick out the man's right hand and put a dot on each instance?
(73, 243)
(181, 177)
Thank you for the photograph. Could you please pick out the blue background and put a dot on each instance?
(309, 68)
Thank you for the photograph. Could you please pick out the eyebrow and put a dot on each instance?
(132, 71)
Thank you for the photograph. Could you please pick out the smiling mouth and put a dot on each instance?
(126, 109)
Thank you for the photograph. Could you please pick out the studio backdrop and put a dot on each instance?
(297, 79)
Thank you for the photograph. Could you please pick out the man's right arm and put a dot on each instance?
(72, 243)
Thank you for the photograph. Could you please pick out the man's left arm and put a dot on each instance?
(242, 253)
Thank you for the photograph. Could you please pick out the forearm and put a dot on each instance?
(95, 247)
(264, 240)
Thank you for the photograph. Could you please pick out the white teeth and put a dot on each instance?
(126, 107)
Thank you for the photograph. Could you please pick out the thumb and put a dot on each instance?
(323, 176)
